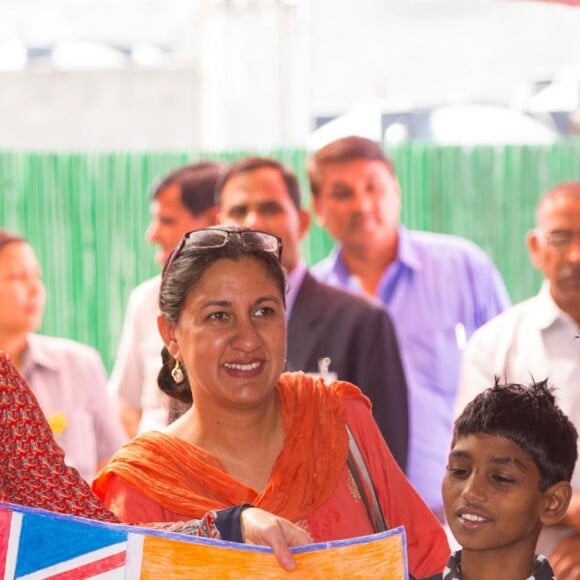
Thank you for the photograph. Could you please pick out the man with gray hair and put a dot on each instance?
(538, 338)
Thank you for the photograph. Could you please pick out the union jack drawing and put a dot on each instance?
(37, 545)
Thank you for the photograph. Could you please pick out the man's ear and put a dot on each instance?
(556, 501)
(533, 244)
(167, 331)
(211, 215)
(304, 219)
(317, 207)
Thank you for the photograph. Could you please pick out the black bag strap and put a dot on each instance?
(358, 469)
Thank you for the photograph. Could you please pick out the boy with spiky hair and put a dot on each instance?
(508, 474)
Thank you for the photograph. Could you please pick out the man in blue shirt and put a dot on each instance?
(437, 288)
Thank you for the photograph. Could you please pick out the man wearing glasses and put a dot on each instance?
(537, 338)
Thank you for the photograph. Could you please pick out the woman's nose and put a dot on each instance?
(246, 336)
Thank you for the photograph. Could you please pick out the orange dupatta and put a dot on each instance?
(185, 479)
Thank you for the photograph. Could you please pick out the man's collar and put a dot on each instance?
(406, 251)
(36, 354)
(548, 313)
(542, 569)
(294, 282)
(406, 254)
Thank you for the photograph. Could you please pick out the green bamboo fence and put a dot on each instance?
(86, 216)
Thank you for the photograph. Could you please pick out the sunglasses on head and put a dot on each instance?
(218, 237)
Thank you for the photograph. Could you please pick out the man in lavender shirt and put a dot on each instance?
(437, 288)
(69, 381)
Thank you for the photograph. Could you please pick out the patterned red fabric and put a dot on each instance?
(32, 467)
(33, 472)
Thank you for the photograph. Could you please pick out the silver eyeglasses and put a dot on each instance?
(561, 239)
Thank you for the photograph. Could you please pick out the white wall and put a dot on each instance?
(128, 109)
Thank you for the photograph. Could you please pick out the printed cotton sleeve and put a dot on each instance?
(33, 468)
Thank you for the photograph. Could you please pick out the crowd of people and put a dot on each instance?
(257, 397)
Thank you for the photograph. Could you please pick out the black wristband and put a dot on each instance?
(229, 523)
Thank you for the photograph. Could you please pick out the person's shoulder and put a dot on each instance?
(305, 382)
(452, 256)
(505, 320)
(341, 297)
(446, 245)
(143, 303)
(146, 289)
(9, 377)
(60, 349)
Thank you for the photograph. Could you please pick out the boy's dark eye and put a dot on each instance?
(458, 472)
(503, 479)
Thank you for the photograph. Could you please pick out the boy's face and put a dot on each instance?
(492, 496)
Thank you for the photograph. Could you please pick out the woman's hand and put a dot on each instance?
(265, 529)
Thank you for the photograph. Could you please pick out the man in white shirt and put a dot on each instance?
(538, 339)
(182, 201)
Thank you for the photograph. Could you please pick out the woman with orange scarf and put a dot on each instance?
(34, 474)
(253, 435)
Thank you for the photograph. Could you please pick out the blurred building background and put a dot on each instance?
(227, 74)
